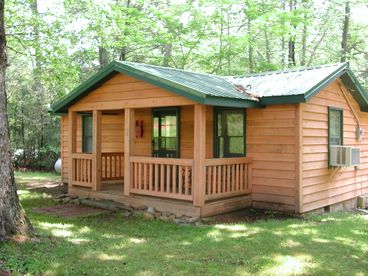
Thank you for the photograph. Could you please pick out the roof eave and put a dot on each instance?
(232, 102)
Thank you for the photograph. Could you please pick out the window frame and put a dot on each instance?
(84, 136)
(216, 152)
(177, 110)
(341, 111)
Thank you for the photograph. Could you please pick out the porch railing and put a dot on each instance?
(228, 177)
(82, 169)
(112, 164)
(162, 177)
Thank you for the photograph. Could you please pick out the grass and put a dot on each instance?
(113, 245)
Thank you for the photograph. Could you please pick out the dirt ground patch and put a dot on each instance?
(249, 215)
(71, 210)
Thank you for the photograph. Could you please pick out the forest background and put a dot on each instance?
(54, 45)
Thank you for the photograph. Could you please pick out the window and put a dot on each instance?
(229, 133)
(87, 133)
(165, 132)
(335, 126)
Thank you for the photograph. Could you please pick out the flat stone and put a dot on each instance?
(141, 208)
(180, 221)
(151, 210)
(71, 210)
(166, 214)
(61, 196)
(361, 202)
(164, 218)
(126, 214)
(172, 217)
(192, 220)
(148, 216)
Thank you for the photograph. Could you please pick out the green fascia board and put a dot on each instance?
(287, 99)
(231, 102)
(326, 81)
(117, 67)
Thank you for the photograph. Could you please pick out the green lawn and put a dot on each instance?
(113, 245)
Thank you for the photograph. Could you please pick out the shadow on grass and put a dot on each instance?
(108, 245)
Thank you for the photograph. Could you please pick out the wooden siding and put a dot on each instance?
(272, 144)
(123, 91)
(322, 185)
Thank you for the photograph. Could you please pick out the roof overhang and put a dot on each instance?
(61, 107)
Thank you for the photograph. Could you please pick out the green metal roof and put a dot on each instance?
(199, 87)
(256, 90)
(298, 85)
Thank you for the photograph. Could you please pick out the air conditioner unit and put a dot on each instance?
(341, 156)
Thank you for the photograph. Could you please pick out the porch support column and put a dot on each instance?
(199, 169)
(96, 164)
(128, 146)
(72, 144)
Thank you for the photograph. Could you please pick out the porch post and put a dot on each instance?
(96, 164)
(72, 144)
(128, 146)
(199, 169)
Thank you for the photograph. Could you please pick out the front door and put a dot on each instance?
(165, 141)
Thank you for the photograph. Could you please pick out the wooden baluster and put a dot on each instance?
(228, 183)
(156, 178)
(162, 179)
(174, 178)
(214, 180)
(186, 183)
(219, 174)
(180, 185)
(150, 176)
(209, 180)
(241, 177)
(232, 178)
(237, 167)
(168, 180)
(140, 175)
(106, 175)
(145, 176)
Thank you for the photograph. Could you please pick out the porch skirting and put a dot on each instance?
(177, 207)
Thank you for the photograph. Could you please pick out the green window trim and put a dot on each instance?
(340, 137)
(227, 138)
(164, 152)
(87, 133)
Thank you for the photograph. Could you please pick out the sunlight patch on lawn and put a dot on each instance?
(103, 256)
(320, 240)
(79, 241)
(137, 241)
(23, 192)
(57, 229)
(234, 227)
(290, 265)
(290, 243)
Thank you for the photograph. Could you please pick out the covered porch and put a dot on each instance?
(184, 177)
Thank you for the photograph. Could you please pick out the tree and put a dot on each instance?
(12, 216)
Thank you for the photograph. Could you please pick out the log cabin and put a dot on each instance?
(198, 144)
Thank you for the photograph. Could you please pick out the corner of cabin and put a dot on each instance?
(323, 186)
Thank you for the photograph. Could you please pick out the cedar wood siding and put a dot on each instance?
(324, 186)
(124, 91)
(271, 143)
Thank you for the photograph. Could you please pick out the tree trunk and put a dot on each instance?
(345, 33)
(167, 51)
(291, 56)
(12, 217)
(103, 56)
(250, 49)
